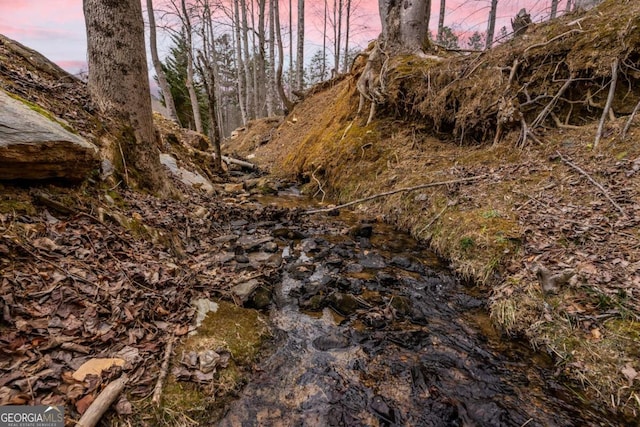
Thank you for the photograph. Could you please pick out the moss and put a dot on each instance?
(43, 112)
(17, 207)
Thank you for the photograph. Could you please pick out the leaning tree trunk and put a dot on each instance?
(288, 105)
(157, 65)
(119, 83)
(300, 48)
(405, 29)
(441, 20)
(554, 9)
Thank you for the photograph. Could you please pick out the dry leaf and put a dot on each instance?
(83, 404)
(95, 367)
(630, 373)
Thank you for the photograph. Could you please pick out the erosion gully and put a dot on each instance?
(373, 330)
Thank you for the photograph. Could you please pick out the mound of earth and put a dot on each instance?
(543, 210)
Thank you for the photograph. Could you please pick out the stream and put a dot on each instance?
(373, 330)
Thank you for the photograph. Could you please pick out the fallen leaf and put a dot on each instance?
(95, 367)
(83, 404)
(630, 373)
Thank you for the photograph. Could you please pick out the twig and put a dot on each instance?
(628, 125)
(103, 401)
(600, 187)
(561, 125)
(124, 165)
(607, 107)
(313, 175)
(434, 219)
(157, 391)
(389, 193)
(543, 114)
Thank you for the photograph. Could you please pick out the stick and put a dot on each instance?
(239, 162)
(103, 401)
(600, 187)
(157, 391)
(389, 193)
(575, 30)
(543, 114)
(607, 107)
(628, 125)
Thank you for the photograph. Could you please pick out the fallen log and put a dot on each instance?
(242, 163)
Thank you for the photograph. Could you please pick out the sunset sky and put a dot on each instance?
(55, 28)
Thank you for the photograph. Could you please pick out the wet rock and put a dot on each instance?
(244, 290)
(250, 243)
(308, 245)
(354, 268)
(242, 259)
(234, 188)
(261, 298)
(315, 303)
(287, 233)
(375, 320)
(382, 410)
(373, 261)
(239, 223)
(344, 304)
(226, 238)
(274, 261)
(331, 341)
(301, 271)
(402, 306)
(385, 279)
(361, 230)
(192, 179)
(407, 263)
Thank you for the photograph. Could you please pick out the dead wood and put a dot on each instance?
(545, 112)
(242, 163)
(607, 107)
(389, 193)
(164, 369)
(99, 406)
(594, 182)
(628, 125)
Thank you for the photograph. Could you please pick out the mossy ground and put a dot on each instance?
(242, 332)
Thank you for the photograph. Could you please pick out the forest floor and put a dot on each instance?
(550, 229)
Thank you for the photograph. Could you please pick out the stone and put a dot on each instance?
(35, 146)
(187, 177)
(234, 188)
(244, 290)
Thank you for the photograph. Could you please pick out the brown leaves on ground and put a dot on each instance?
(75, 290)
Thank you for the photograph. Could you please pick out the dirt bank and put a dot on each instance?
(550, 228)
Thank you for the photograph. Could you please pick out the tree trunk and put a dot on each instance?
(247, 61)
(324, 43)
(291, 77)
(119, 82)
(288, 105)
(338, 43)
(441, 20)
(262, 73)
(300, 50)
(257, 90)
(492, 23)
(271, 72)
(240, 64)
(405, 25)
(345, 64)
(193, 97)
(554, 9)
(209, 81)
(157, 65)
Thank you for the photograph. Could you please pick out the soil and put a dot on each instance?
(549, 231)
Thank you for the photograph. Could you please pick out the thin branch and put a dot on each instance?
(99, 406)
(628, 125)
(607, 107)
(575, 30)
(400, 190)
(544, 113)
(594, 182)
(157, 391)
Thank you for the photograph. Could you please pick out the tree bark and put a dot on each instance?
(345, 64)
(324, 43)
(338, 42)
(405, 25)
(240, 64)
(214, 129)
(193, 97)
(288, 105)
(262, 73)
(300, 50)
(119, 82)
(271, 72)
(554, 9)
(491, 30)
(157, 65)
(247, 61)
(441, 20)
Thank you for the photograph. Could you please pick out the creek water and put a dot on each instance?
(373, 330)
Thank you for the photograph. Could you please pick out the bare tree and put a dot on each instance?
(247, 61)
(193, 97)
(345, 60)
(554, 8)
(157, 65)
(441, 21)
(300, 49)
(288, 105)
(492, 23)
(324, 42)
(119, 82)
(240, 75)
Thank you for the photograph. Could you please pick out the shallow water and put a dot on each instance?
(374, 331)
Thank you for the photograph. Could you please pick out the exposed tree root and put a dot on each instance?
(607, 107)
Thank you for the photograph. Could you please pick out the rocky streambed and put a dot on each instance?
(371, 329)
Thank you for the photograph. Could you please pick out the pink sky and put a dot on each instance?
(56, 27)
